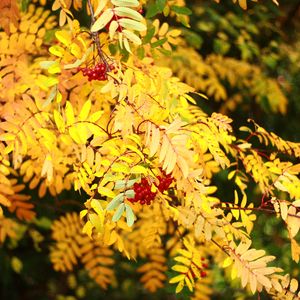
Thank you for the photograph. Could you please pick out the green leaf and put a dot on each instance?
(165, 52)
(129, 215)
(115, 202)
(118, 214)
(160, 4)
(130, 194)
(24, 5)
(152, 11)
(43, 222)
(181, 10)
(121, 184)
(193, 38)
(159, 43)
(113, 49)
(149, 35)
(140, 52)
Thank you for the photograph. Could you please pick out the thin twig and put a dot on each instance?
(266, 210)
(95, 36)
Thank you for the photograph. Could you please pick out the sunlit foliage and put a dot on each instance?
(99, 111)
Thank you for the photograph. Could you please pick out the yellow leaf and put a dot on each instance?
(120, 168)
(129, 3)
(113, 238)
(132, 24)
(136, 150)
(69, 113)
(188, 283)
(265, 281)
(16, 264)
(58, 97)
(83, 213)
(106, 192)
(155, 139)
(283, 210)
(96, 116)
(244, 200)
(163, 29)
(177, 278)
(57, 50)
(133, 37)
(185, 253)
(293, 285)
(180, 268)
(47, 168)
(88, 228)
(55, 68)
(182, 164)
(75, 50)
(164, 148)
(183, 260)
(227, 262)
(243, 4)
(7, 137)
(103, 20)
(85, 110)
(138, 170)
(75, 136)
(252, 254)
(179, 287)
(59, 121)
(97, 221)
(128, 12)
(294, 169)
(4, 201)
(114, 25)
(95, 204)
(101, 5)
(64, 37)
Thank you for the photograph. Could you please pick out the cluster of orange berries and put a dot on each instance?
(142, 190)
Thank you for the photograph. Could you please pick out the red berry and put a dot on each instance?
(102, 68)
(203, 274)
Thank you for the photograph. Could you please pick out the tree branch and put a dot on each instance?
(95, 36)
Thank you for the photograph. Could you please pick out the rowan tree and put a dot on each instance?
(108, 159)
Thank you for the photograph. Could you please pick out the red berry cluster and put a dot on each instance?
(143, 192)
(97, 72)
(200, 268)
(164, 182)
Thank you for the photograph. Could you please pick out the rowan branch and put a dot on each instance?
(95, 36)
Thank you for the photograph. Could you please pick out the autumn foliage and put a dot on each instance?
(100, 123)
